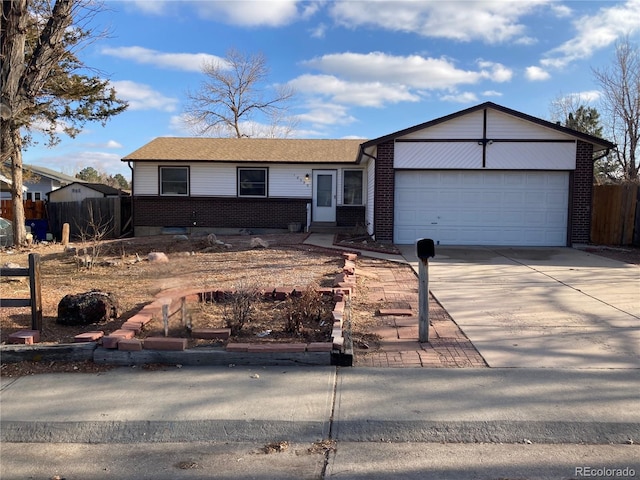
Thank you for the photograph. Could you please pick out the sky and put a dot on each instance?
(359, 69)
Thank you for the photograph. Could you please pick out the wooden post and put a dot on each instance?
(183, 311)
(423, 300)
(65, 234)
(425, 249)
(165, 319)
(36, 295)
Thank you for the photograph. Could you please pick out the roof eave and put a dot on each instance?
(604, 144)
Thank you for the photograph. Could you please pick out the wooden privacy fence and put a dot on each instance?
(33, 209)
(89, 217)
(615, 217)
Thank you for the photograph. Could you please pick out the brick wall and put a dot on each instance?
(350, 216)
(216, 212)
(384, 193)
(580, 195)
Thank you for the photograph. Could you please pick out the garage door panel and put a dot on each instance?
(482, 208)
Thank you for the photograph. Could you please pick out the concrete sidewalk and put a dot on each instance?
(351, 423)
(297, 404)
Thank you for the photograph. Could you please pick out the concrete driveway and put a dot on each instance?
(540, 307)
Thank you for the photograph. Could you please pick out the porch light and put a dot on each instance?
(307, 179)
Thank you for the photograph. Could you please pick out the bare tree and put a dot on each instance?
(620, 85)
(41, 81)
(232, 95)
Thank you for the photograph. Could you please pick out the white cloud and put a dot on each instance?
(113, 144)
(366, 94)
(156, 7)
(580, 98)
(596, 32)
(74, 161)
(326, 114)
(179, 124)
(251, 13)
(589, 96)
(495, 71)
(413, 71)
(491, 93)
(536, 74)
(464, 97)
(561, 10)
(109, 144)
(143, 97)
(191, 62)
(319, 31)
(488, 21)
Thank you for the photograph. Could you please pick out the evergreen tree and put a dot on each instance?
(42, 81)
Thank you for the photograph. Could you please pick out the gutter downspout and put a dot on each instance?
(133, 231)
(362, 152)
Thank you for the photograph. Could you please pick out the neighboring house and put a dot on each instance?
(78, 191)
(487, 175)
(37, 182)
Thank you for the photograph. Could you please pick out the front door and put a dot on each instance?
(324, 196)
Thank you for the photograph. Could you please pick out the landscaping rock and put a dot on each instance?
(87, 308)
(257, 242)
(157, 257)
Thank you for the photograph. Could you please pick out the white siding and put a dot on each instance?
(466, 126)
(145, 178)
(73, 193)
(213, 179)
(218, 179)
(449, 155)
(532, 156)
(501, 125)
(288, 181)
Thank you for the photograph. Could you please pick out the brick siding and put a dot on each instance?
(216, 212)
(580, 195)
(384, 193)
(350, 216)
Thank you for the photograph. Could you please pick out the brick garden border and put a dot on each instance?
(121, 347)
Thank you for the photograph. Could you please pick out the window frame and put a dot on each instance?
(239, 170)
(161, 182)
(344, 186)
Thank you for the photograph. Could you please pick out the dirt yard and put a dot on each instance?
(121, 268)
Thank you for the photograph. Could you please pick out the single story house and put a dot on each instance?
(37, 182)
(486, 175)
(78, 191)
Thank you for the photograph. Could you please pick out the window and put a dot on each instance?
(174, 181)
(34, 196)
(353, 187)
(252, 182)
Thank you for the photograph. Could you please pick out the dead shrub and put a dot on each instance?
(238, 306)
(307, 307)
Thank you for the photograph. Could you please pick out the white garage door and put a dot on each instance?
(482, 208)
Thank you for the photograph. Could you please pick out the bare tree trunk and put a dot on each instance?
(19, 229)
(13, 66)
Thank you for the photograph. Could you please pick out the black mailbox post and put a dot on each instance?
(425, 249)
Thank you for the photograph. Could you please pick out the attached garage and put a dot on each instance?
(481, 208)
(487, 175)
